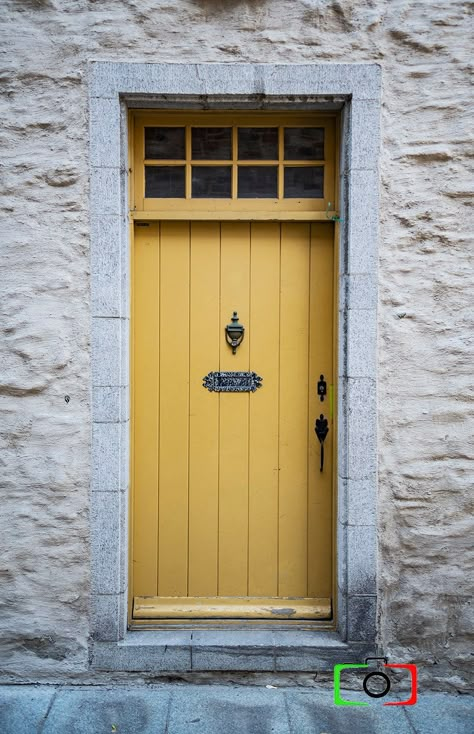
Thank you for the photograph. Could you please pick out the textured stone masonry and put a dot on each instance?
(424, 341)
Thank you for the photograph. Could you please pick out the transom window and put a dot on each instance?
(236, 161)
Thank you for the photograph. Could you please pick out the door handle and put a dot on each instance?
(321, 429)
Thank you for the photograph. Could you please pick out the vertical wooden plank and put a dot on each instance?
(234, 414)
(145, 336)
(294, 316)
(334, 411)
(138, 163)
(205, 339)
(174, 409)
(131, 160)
(264, 336)
(320, 362)
(131, 494)
(330, 187)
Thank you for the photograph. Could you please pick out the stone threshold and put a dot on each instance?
(227, 650)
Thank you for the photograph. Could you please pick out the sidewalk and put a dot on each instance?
(220, 709)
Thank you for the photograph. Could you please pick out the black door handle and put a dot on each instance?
(321, 429)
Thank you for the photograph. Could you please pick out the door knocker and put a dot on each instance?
(234, 333)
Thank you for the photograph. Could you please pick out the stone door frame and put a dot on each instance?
(113, 89)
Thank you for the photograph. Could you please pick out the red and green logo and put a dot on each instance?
(378, 677)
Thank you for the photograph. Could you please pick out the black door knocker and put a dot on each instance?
(321, 429)
(234, 333)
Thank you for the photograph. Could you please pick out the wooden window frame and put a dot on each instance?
(187, 208)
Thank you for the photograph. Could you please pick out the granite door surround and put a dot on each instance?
(355, 89)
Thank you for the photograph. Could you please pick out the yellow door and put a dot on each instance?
(232, 514)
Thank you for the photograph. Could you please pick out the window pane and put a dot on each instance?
(164, 182)
(211, 182)
(258, 182)
(258, 143)
(304, 143)
(165, 142)
(211, 143)
(304, 182)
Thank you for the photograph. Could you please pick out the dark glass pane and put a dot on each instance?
(165, 142)
(258, 143)
(304, 143)
(304, 182)
(164, 182)
(258, 182)
(211, 182)
(208, 143)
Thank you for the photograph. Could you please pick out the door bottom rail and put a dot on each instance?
(154, 607)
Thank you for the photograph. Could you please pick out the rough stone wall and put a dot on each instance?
(425, 308)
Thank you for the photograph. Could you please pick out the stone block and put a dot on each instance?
(362, 224)
(361, 618)
(24, 708)
(361, 343)
(364, 133)
(105, 132)
(233, 638)
(110, 404)
(106, 266)
(358, 291)
(437, 712)
(147, 659)
(107, 351)
(247, 659)
(362, 501)
(109, 79)
(233, 709)
(105, 542)
(102, 709)
(106, 457)
(105, 191)
(360, 81)
(314, 712)
(156, 639)
(105, 616)
(360, 426)
(362, 559)
(227, 650)
(310, 658)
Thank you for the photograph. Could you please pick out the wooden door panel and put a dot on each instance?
(234, 415)
(264, 339)
(320, 362)
(174, 410)
(204, 410)
(145, 386)
(229, 502)
(293, 549)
